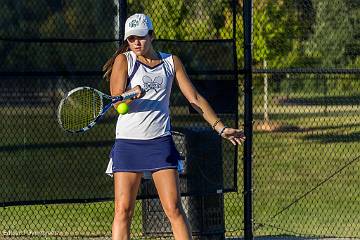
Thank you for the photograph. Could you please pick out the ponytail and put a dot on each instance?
(107, 68)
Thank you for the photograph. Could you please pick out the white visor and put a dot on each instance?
(137, 25)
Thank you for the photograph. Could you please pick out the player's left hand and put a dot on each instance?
(140, 92)
(235, 136)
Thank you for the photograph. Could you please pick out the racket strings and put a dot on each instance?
(80, 109)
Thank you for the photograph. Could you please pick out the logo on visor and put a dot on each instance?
(134, 23)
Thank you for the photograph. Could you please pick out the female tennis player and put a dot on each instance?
(143, 138)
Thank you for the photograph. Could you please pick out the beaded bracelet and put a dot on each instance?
(222, 130)
(215, 123)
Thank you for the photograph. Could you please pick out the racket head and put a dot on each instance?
(79, 109)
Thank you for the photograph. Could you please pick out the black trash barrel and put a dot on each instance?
(201, 183)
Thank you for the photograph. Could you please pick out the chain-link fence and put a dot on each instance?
(306, 118)
(305, 104)
(53, 183)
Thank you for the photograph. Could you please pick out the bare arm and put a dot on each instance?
(200, 104)
(118, 79)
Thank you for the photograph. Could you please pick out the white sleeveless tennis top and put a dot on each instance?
(148, 117)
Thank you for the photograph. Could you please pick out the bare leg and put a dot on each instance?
(126, 186)
(167, 185)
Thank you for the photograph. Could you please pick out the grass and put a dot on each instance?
(306, 179)
(311, 193)
(306, 174)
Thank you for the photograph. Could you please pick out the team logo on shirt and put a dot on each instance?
(150, 83)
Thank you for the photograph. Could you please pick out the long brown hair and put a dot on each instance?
(107, 68)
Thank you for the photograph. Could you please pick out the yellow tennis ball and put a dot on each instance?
(122, 108)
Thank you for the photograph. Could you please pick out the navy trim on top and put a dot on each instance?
(137, 64)
(150, 66)
(136, 67)
(160, 58)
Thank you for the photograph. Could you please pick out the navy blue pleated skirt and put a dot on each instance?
(130, 155)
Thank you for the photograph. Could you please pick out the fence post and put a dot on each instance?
(236, 78)
(248, 118)
(122, 18)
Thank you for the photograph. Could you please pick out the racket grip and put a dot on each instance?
(128, 95)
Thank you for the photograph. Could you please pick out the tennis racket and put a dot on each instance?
(81, 108)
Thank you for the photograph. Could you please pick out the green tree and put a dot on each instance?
(332, 33)
(77, 20)
(353, 48)
(189, 20)
(46, 19)
(276, 28)
(19, 20)
(8, 14)
(335, 41)
(182, 19)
